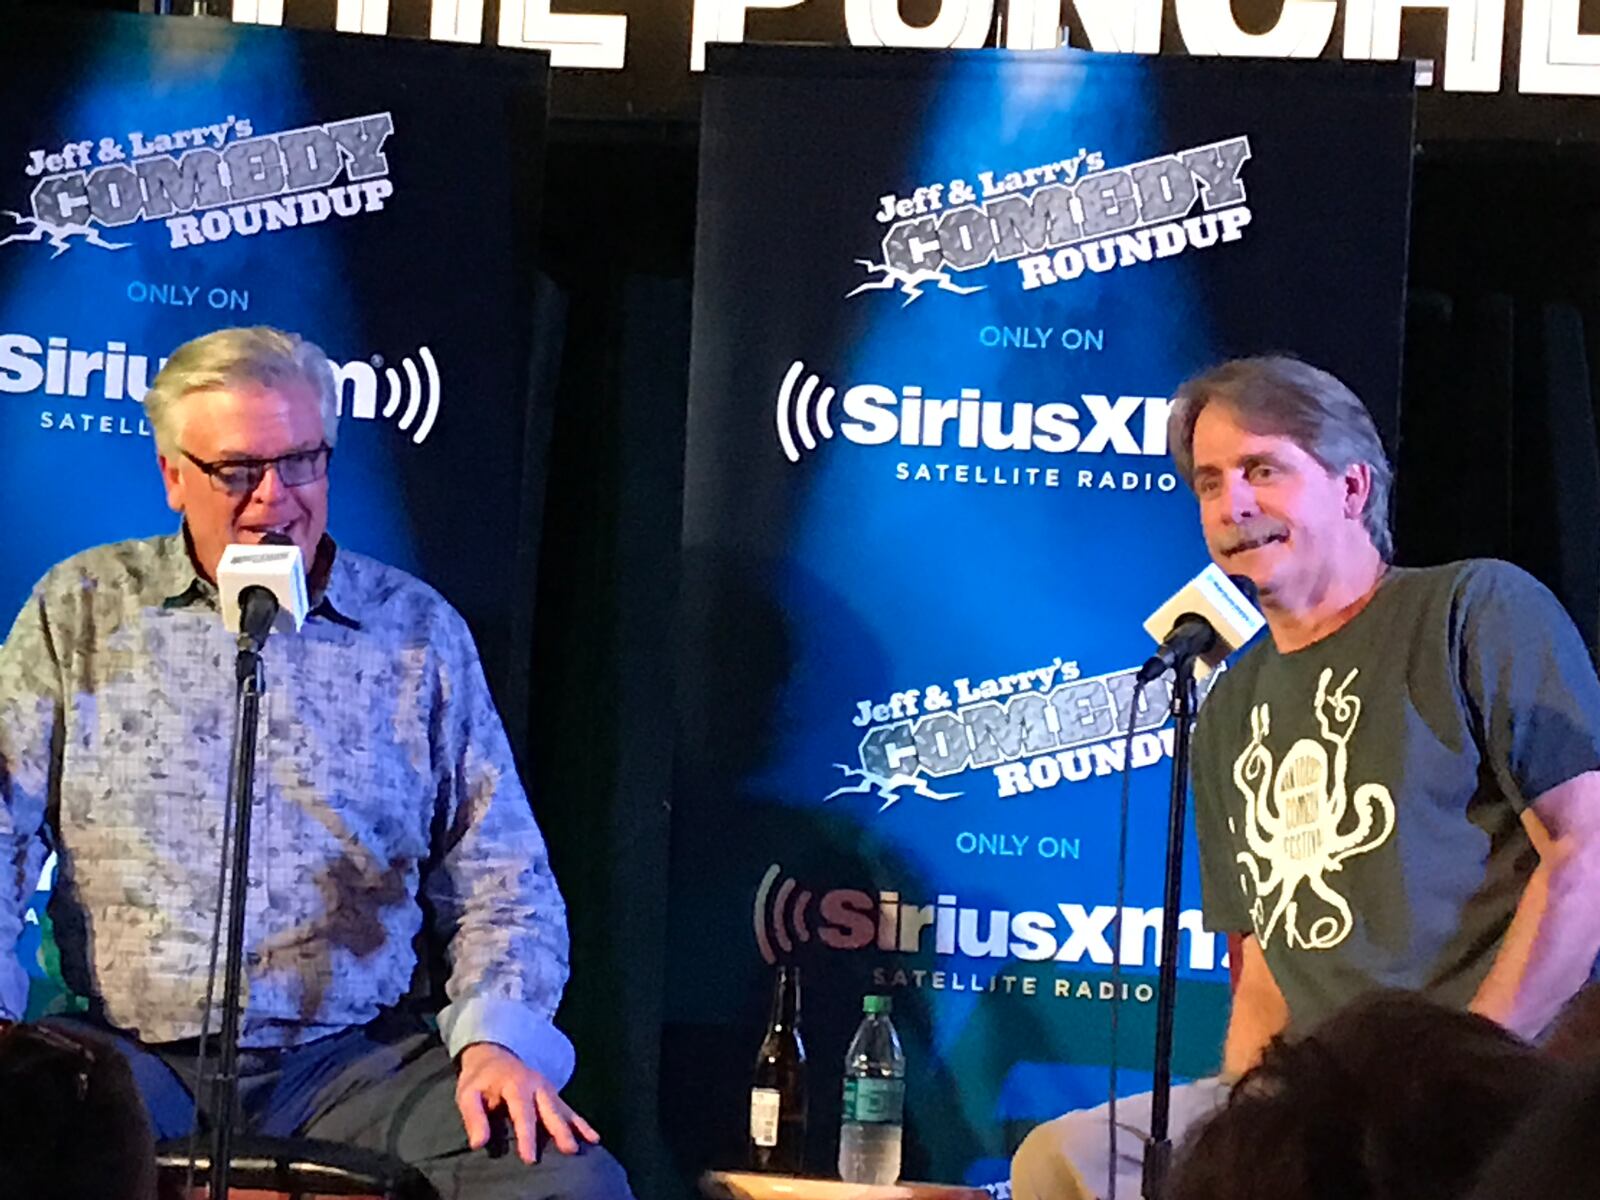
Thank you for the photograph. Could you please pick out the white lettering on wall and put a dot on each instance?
(722, 21)
(362, 16)
(879, 23)
(573, 39)
(1556, 57)
(457, 21)
(1474, 30)
(1302, 31)
(258, 12)
(1121, 26)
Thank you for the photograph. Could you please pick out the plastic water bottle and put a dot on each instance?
(874, 1099)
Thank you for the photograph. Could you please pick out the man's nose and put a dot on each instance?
(271, 489)
(1241, 500)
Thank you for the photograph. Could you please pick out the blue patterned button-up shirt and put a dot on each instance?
(386, 806)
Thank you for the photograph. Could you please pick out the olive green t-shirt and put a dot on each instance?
(1357, 801)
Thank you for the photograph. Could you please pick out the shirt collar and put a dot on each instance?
(330, 586)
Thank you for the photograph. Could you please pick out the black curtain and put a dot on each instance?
(1498, 453)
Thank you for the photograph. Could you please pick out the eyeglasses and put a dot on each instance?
(241, 476)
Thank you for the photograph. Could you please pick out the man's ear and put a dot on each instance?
(1357, 479)
(171, 479)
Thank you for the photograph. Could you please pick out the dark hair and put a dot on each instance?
(1280, 395)
(1551, 1155)
(72, 1123)
(1392, 1098)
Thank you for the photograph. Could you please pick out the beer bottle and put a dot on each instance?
(778, 1091)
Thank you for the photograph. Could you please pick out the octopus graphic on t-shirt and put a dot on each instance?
(1301, 822)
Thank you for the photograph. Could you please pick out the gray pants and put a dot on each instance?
(1069, 1158)
(387, 1087)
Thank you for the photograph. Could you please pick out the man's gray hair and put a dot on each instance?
(1279, 395)
(228, 358)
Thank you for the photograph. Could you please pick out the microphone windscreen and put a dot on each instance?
(1214, 597)
(277, 568)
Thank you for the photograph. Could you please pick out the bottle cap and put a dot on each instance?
(875, 1004)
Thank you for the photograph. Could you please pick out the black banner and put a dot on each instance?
(941, 303)
(163, 177)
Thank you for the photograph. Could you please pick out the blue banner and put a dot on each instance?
(163, 177)
(942, 302)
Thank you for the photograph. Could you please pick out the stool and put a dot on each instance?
(292, 1169)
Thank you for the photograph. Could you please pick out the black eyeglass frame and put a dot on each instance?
(255, 469)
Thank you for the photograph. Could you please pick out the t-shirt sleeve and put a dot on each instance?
(1222, 899)
(1528, 680)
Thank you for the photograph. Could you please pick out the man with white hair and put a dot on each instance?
(389, 815)
(1399, 787)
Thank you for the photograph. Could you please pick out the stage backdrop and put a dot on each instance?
(162, 177)
(941, 303)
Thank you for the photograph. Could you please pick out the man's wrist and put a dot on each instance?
(486, 1044)
(1485, 1006)
(529, 1036)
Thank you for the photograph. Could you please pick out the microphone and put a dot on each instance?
(263, 588)
(1208, 618)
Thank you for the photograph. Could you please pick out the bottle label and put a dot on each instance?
(764, 1106)
(874, 1101)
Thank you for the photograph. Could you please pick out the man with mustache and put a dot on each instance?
(391, 833)
(1399, 787)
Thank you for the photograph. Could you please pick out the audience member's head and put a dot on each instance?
(1553, 1153)
(72, 1125)
(1392, 1098)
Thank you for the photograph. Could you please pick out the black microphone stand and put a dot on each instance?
(1158, 1147)
(249, 684)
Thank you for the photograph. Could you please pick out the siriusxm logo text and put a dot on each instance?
(875, 414)
(368, 390)
(851, 919)
(56, 368)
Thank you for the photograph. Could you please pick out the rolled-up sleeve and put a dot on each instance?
(494, 898)
(30, 749)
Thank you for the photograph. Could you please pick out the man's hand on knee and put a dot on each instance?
(492, 1076)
